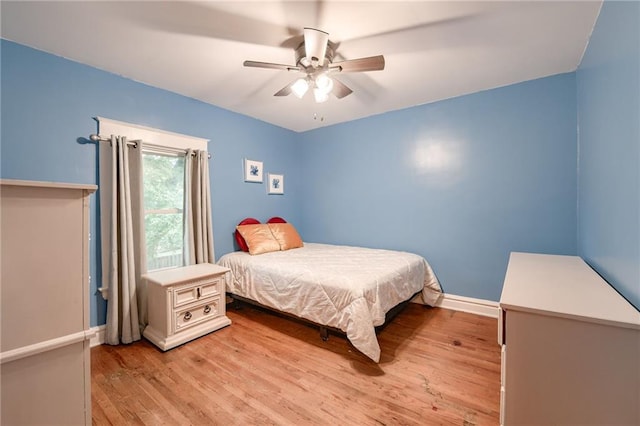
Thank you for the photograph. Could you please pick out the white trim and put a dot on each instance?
(148, 135)
(100, 335)
(47, 345)
(486, 308)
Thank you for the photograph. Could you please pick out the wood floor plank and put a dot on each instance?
(437, 367)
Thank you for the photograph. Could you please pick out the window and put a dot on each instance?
(163, 167)
(163, 188)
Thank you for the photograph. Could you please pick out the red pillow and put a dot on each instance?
(276, 219)
(239, 239)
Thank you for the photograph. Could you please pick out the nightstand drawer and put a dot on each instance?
(193, 292)
(184, 295)
(193, 315)
(212, 288)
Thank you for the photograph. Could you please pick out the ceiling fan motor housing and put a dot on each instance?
(303, 61)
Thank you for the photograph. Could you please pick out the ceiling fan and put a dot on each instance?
(314, 58)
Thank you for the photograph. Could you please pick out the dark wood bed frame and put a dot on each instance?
(324, 329)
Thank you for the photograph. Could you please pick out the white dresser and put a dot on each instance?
(571, 346)
(185, 303)
(45, 356)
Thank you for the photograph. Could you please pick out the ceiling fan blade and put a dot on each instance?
(204, 19)
(340, 90)
(440, 33)
(372, 63)
(270, 65)
(315, 44)
(285, 91)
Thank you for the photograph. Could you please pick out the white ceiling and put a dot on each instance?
(433, 49)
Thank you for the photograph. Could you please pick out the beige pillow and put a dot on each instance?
(286, 235)
(259, 238)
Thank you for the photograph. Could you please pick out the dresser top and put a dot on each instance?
(183, 274)
(42, 184)
(564, 286)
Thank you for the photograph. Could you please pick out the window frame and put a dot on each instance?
(166, 153)
(152, 138)
(152, 141)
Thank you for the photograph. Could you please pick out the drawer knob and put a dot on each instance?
(207, 309)
(187, 316)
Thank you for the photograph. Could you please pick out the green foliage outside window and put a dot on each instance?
(163, 181)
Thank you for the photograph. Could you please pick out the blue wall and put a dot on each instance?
(609, 148)
(48, 103)
(462, 182)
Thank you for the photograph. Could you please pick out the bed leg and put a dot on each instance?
(235, 303)
(324, 333)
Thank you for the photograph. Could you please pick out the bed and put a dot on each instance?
(342, 287)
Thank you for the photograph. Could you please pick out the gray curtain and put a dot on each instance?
(198, 229)
(122, 231)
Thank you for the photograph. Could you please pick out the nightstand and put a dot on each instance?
(185, 303)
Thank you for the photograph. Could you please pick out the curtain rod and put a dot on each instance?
(134, 143)
(98, 138)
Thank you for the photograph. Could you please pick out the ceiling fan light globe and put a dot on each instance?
(324, 83)
(320, 95)
(300, 87)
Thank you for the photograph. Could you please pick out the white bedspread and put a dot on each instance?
(349, 288)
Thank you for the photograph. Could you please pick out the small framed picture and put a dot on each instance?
(276, 184)
(252, 171)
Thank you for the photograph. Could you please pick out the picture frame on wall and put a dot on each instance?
(252, 171)
(276, 184)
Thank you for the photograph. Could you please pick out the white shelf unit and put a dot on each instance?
(44, 345)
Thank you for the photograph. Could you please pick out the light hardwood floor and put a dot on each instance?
(437, 367)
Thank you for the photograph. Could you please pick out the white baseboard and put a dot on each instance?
(99, 337)
(486, 308)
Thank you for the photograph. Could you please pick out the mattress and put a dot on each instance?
(349, 288)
